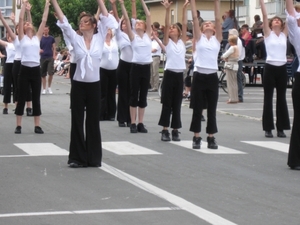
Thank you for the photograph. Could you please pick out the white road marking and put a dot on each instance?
(273, 145)
(42, 149)
(87, 212)
(204, 149)
(127, 148)
(178, 201)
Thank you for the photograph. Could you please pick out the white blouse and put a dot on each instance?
(142, 48)
(175, 53)
(276, 49)
(88, 60)
(30, 48)
(10, 52)
(17, 45)
(110, 56)
(207, 51)
(124, 44)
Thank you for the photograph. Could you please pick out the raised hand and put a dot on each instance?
(186, 3)
(28, 6)
(12, 16)
(113, 1)
(166, 4)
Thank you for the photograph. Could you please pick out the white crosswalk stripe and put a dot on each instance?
(41, 149)
(273, 145)
(204, 149)
(127, 148)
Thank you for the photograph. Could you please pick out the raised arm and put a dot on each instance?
(102, 7)
(98, 13)
(8, 29)
(167, 5)
(163, 47)
(21, 20)
(59, 13)
(266, 27)
(40, 31)
(28, 13)
(290, 7)
(13, 19)
(133, 9)
(148, 18)
(196, 28)
(127, 20)
(184, 20)
(114, 9)
(218, 25)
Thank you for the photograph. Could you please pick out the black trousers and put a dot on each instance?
(204, 86)
(275, 77)
(85, 144)
(108, 80)
(171, 99)
(16, 76)
(294, 149)
(139, 83)
(8, 83)
(29, 77)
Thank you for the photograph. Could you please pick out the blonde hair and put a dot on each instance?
(233, 39)
(297, 7)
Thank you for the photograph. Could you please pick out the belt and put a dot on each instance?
(155, 56)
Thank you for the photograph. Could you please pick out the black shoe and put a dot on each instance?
(211, 143)
(196, 142)
(281, 134)
(268, 134)
(202, 118)
(133, 128)
(75, 165)
(38, 130)
(165, 135)
(295, 167)
(29, 111)
(175, 135)
(18, 130)
(122, 124)
(5, 111)
(141, 128)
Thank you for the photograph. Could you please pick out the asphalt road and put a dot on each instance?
(144, 180)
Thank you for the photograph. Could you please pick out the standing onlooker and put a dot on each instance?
(85, 144)
(205, 79)
(275, 75)
(249, 44)
(140, 69)
(241, 47)
(156, 53)
(108, 77)
(172, 86)
(227, 25)
(294, 34)
(30, 73)
(48, 49)
(231, 57)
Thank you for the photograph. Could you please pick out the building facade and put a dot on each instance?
(245, 10)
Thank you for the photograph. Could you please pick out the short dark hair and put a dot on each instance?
(276, 17)
(156, 25)
(256, 17)
(245, 26)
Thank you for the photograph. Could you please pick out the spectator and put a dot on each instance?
(200, 19)
(156, 53)
(47, 59)
(231, 57)
(257, 27)
(249, 44)
(227, 25)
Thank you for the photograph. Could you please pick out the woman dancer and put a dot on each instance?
(30, 74)
(275, 75)
(108, 77)
(123, 70)
(205, 78)
(140, 69)
(172, 86)
(85, 146)
(293, 24)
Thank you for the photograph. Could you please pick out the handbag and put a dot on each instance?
(231, 66)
